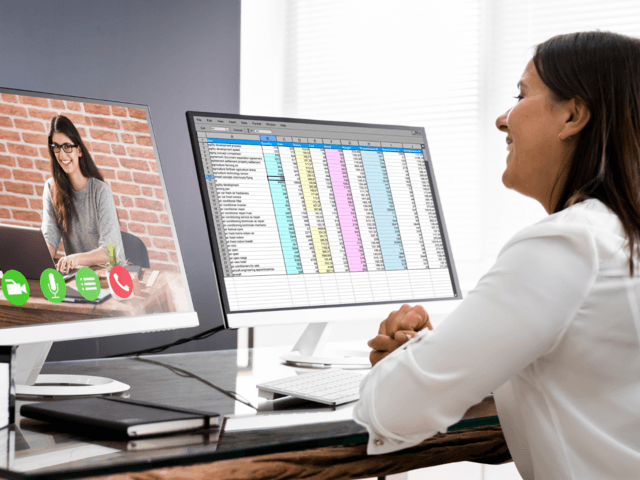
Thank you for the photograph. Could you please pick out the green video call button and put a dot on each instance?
(15, 288)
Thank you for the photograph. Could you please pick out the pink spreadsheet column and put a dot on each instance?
(346, 210)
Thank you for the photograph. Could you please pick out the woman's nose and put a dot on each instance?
(501, 121)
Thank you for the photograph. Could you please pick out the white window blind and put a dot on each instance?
(451, 67)
(408, 63)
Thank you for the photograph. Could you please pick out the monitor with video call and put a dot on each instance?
(88, 246)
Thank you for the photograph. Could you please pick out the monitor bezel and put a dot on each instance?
(94, 328)
(355, 312)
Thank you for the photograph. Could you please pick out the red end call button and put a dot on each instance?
(121, 282)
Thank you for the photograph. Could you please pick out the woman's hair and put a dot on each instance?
(62, 192)
(603, 70)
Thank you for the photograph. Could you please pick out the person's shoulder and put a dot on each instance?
(98, 186)
(581, 223)
(590, 215)
(591, 212)
(48, 186)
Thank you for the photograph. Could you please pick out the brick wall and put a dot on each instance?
(119, 141)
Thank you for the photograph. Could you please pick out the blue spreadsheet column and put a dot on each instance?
(282, 209)
(383, 209)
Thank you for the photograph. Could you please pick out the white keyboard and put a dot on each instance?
(331, 387)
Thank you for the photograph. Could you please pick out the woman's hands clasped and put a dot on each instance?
(399, 327)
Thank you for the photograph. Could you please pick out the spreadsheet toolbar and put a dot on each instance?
(312, 224)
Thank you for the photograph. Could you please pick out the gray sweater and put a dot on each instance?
(96, 223)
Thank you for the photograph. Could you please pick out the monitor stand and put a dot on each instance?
(29, 382)
(309, 351)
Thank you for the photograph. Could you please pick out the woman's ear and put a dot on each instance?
(579, 116)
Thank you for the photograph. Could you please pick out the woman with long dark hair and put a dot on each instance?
(78, 205)
(553, 329)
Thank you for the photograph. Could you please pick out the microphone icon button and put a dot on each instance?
(52, 285)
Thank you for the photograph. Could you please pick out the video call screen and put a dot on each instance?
(93, 185)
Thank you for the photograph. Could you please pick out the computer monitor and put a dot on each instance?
(320, 222)
(103, 187)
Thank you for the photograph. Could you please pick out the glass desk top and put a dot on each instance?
(34, 449)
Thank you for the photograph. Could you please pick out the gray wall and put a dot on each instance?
(173, 55)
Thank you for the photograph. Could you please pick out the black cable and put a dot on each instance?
(184, 373)
(162, 348)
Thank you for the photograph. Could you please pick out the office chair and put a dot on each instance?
(135, 250)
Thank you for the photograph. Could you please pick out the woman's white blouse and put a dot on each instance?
(553, 331)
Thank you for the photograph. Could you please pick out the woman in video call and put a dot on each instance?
(78, 205)
(553, 329)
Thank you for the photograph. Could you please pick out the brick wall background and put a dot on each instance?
(119, 142)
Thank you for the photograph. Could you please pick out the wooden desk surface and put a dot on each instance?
(327, 450)
(485, 444)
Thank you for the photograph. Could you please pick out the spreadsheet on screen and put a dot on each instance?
(317, 215)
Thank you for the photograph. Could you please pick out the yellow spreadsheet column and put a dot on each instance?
(314, 210)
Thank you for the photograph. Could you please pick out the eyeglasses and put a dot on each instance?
(67, 147)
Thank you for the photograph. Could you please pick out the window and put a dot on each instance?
(451, 67)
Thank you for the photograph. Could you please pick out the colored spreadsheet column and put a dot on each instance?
(346, 210)
(282, 209)
(383, 209)
(314, 210)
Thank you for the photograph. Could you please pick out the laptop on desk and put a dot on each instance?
(24, 249)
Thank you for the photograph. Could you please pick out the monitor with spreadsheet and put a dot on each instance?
(318, 221)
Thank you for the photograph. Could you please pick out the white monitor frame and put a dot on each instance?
(352, 313)
(318, 317)
(34, 341)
